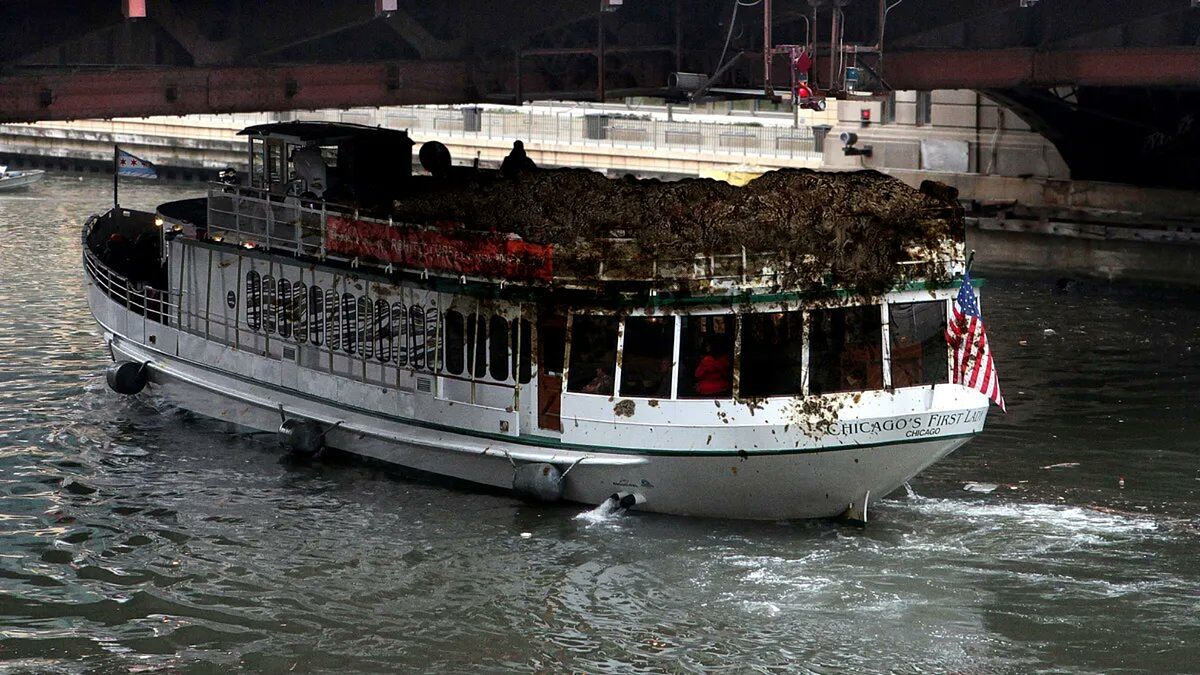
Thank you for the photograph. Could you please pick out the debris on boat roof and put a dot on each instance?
(853, 226)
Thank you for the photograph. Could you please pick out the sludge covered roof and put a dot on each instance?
(849, 229)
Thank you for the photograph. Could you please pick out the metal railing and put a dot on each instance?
(599, 129)
(156, 305)
(151, 303)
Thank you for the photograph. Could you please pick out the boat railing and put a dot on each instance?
(165, 308)
(139, 298)
(256, 218)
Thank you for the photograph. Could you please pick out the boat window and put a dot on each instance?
(845, 350)
(400, 334)
(333, 321)
(701, 336)
(283, 306)
(498, 349)
(256, 162)
(349, 323)
(431, 338)
(476, 345)
(383, 331)
(316, 309)
(366, 327)
(300, 312)
(268, 304)
(919, 349)
(416, 333)
(772, 355)
(253, 300)
(456, 336)
(647, 363)
(329, 155)
(275, 162)
(593, 354)
(522, 353)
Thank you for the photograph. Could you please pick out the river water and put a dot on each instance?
(134, 536)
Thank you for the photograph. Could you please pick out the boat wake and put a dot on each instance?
(1081, 523)
(604, 512)
(609, 509)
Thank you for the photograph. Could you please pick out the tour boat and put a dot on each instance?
(10, 180)
(303, 299)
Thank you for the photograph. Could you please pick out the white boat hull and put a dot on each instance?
(20, 179)
(803, 484)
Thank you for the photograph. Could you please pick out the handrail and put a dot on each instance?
(155, 304)
(146, 302)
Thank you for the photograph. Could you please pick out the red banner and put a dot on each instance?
(482, 254)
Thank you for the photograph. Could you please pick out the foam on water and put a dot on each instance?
(1067, 519)
(606, 511)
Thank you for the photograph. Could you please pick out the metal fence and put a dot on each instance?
(600, 128)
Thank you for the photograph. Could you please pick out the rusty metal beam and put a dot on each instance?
(1008, 68)
(181, 91)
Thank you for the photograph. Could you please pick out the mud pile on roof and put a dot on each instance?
(850, 227)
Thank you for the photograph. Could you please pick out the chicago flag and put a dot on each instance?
(129, 165)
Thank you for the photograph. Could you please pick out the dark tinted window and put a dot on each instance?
(919, 350)
(476, 345)
(349, 323)
(416, 335)
(366, 327)
(253, 300)
(268, 304)
(431, 338)
(300, 312)
(522, 350)
(383, 331)
(400, 334)
(456, 342)
(498, 349)
(702, 336)
(647, 364)
(593, 354)
(845, 350)
(316, 310)
(772, 354)
(333, 321)
(283, 306)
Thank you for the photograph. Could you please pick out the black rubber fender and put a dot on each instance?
(126, 377)
(301, 437)
(538, 481)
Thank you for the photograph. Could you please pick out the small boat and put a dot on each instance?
(772, 351)
(11, 180)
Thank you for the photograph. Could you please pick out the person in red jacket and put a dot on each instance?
(714, 373)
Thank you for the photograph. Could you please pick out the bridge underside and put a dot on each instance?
(1113, 83)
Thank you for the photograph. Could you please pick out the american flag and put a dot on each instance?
(129, 165)
(973, 365)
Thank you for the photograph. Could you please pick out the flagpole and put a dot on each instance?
(116, 203)
(970, 261)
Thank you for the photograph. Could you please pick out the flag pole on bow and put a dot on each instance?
(116, 172)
